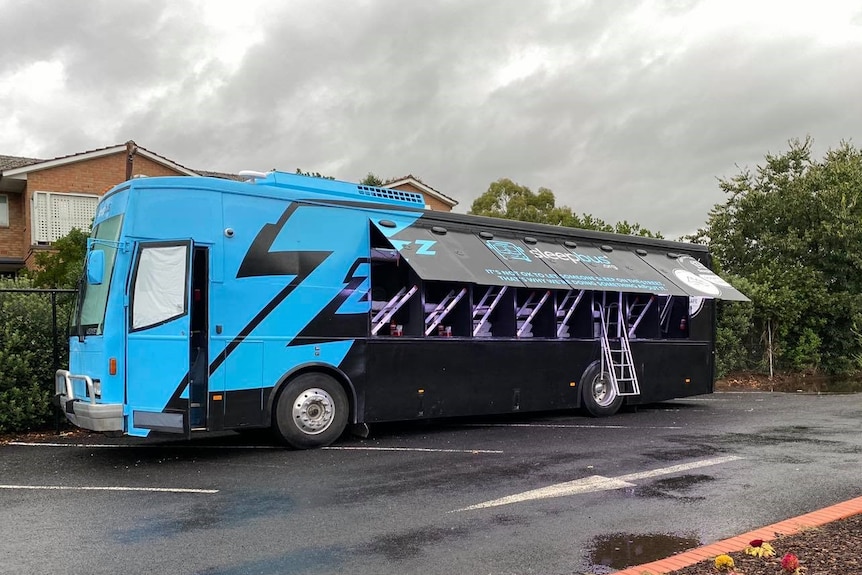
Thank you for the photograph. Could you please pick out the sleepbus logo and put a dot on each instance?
(510, 251)
(507, 250)
(573, 257)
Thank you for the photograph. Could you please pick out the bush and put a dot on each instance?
(737, 346)
(26, 355)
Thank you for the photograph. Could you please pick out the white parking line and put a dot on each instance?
(110, 488)
(567, 425)
(133, 446)
(420, 449)
(594, 483)
(278, 447)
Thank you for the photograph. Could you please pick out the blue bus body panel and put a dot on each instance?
(158, 360)
(297, 264)
(289, 276)
(87, 357)
(112, 204)
(167, 213)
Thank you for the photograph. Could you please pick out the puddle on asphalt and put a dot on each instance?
(621, 550)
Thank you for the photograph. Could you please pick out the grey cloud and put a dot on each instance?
(623, 128)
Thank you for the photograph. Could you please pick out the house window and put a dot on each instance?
(4, 211)
(54, 215)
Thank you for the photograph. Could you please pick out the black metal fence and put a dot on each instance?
(36, 320)
(59, 332)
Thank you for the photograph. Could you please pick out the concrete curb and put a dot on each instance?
(740, 542)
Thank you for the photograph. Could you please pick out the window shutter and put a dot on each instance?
(54, 215)
(4, 211)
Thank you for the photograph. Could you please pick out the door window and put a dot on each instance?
(160, 285)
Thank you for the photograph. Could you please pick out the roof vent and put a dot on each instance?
(389, 194)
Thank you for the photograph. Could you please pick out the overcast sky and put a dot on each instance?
(625, 109)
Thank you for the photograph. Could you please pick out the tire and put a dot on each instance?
(311, 411)
(598, 397)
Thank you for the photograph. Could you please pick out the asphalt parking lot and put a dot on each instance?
(549, 493)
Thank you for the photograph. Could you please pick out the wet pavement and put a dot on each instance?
(552, 493)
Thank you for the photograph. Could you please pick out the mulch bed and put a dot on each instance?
(44, 435)
(832, 549)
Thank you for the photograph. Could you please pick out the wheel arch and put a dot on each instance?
(323, 368)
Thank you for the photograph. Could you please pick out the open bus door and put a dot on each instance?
(166, 353)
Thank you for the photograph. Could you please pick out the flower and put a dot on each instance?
(724, 563)
(790, 563)
(758, 548)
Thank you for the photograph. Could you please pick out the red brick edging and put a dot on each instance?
(740, 542)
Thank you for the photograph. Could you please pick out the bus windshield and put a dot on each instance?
(93, 299)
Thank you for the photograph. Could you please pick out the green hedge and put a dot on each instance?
(26, 355)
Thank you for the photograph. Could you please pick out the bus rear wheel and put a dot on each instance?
(598, 395)
(311, 411)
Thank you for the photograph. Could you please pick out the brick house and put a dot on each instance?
(434, 200)
(42, 200)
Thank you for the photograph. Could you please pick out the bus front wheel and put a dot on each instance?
(311, 411)
(598, 395)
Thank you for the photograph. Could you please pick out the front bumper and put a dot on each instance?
(85, 412)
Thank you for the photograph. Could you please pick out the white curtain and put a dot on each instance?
(160, 285)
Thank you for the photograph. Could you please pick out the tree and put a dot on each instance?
(793, 229)
(62, 266)
(506, 199)
(371, 180)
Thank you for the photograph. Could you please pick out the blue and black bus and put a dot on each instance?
(303, 305)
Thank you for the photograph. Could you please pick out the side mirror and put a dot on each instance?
(95, 267)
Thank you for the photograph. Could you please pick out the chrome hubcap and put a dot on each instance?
(313, 411)
(603, 391)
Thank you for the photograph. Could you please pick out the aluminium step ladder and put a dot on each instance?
(616, 354)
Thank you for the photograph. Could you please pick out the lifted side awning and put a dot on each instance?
(440, 253)
(691, 275)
